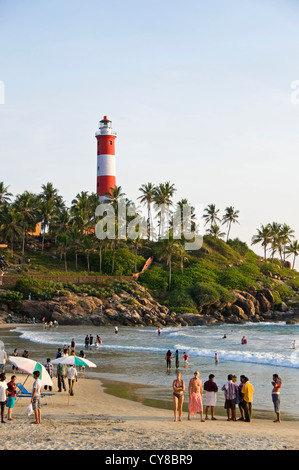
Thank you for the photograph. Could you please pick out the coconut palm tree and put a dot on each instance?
(215, 231)
(4, 194)
(10, 227)
(163, 194)
(147, 197)
(229, 218)
(286, 234)
(293, 249)
(28, 206)
(167, 249)
(277, 240)
(264, 236)
(63, 245)
(211, 215)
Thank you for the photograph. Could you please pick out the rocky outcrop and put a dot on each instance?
(141, 309)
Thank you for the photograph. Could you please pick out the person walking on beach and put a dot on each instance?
(72, 377)
(3, 395)
(11, 397)
(50, 369)
(211, 389)
(230, 392)
(60, 374)
(195, 397)
(276, 396)
(168, 358)
(35, 397)
(247, 395)
(86, 341)
(178, 387)
(73, 346)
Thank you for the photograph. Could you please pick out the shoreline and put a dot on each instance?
(129, 390)
(95, 420)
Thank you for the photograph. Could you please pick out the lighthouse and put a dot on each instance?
(105, 157)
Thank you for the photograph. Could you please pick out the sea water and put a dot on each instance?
(136, 355)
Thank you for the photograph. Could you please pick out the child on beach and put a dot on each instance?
(11, 392)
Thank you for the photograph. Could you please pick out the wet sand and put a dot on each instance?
(95, 420)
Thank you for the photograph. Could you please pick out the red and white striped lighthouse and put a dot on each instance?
(106, 157)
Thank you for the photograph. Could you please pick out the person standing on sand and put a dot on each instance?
(35, 398)
(72, 377)
(3, 395)
(230, 393)
(11, 398)
(50, 369)
(60, 374)
(211, 389)
(195, 397)
(276, 396)
(178, 386)
(247, 395)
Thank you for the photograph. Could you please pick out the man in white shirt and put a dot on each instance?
(35, 398)
(72, 376)
(3, 395)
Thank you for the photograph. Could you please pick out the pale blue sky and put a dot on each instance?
(198, 92)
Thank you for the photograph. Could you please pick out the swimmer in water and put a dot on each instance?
(216, 359)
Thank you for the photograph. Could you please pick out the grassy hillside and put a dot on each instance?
(201, 281)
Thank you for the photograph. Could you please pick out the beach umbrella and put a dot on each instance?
(74, 360)
(29, 366)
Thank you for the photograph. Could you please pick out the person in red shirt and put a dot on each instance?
(11, 396)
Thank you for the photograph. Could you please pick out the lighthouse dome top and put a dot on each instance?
(105, 127)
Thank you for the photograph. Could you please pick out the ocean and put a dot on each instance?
(134, 359)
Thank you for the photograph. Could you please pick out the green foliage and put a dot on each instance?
(233, 278)
(38, 288)
(12, 299)
(181, 298)
(124, 262)
(155, 278)
(239, 246)
(196, 272)
(284, 292)
(206, 294)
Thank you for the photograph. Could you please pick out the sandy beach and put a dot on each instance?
(95, 420)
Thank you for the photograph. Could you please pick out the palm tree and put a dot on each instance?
(215, 231)
(293, 249)
(27, 204)
(75, 236)
(83, 211)
(211, 215)
(4, 194)
(230, 217)
(286, 234)
(10, 227)
(147, 197)
(51, 203)
(277, 240)
(162, 197)
(63, 244)
(167, 249)
(264, 236)
(182, 254)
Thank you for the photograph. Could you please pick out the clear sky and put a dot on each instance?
(199, 94)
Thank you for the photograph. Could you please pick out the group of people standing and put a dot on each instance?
(240, 396)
